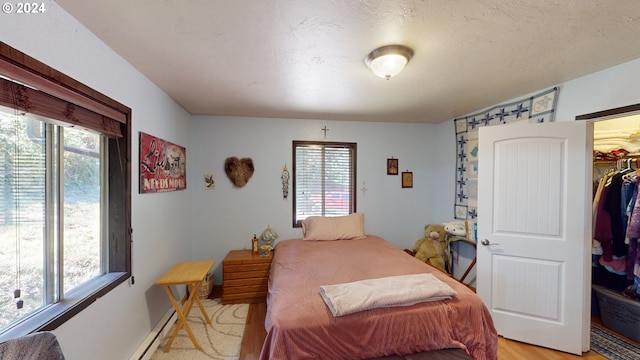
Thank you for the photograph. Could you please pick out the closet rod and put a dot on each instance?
(627, 159)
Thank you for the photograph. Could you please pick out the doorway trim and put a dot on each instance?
(611, 113)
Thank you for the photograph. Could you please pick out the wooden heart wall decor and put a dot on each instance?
(239, 171)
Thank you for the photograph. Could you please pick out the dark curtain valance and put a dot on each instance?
(26, 91)
(26, 100)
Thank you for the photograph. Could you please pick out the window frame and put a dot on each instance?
(352, 146)
(119, 267)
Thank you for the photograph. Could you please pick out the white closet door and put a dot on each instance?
(534, 231)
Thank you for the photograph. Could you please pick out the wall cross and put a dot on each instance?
(363, 189)
(325, 129)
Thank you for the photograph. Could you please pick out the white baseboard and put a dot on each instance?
(152, 341)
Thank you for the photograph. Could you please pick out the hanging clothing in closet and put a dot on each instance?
(616, 207)
(633, 253)
(613, 199)
(610, 216)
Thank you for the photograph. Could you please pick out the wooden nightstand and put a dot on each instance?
(245, 277)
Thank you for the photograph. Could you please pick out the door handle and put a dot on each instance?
(486, 242)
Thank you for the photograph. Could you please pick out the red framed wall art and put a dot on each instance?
(163, 165)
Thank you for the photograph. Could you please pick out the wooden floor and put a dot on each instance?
(254, 335)
(254, 332)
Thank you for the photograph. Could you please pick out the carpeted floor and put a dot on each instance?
(220, 341)
(611, 346)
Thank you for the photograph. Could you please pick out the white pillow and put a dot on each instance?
(333, 227)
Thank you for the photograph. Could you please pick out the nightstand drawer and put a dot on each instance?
(245, 282)
(245, 277)
(258, 273)
(246, 267)
(232, 290)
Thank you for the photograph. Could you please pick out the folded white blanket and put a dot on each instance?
(401, 290)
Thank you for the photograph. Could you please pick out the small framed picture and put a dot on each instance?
(407, 179)
(392, 166)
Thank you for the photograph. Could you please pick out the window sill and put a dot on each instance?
(54, 315)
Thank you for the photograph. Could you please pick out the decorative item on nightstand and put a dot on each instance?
(269, 236)
(254, 244)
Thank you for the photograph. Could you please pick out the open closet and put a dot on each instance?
(616, 225)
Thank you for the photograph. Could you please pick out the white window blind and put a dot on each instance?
(324, 178)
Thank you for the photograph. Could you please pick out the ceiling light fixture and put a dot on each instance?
(387, 61)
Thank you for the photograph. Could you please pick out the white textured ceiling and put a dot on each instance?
(305, 58)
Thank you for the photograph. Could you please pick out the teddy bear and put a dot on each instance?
(430, 248)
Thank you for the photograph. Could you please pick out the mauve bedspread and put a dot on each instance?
(300, 326)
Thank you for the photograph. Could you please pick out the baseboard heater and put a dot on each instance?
(153, 340)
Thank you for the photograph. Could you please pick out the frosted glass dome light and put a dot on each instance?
(388, 61)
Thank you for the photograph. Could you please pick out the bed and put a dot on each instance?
(300, 324)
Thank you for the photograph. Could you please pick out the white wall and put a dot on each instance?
(445, 172)
(603, 90)
(227, 217)
(115, 325)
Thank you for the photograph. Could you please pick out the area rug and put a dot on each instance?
(611, 346)
(220, 341)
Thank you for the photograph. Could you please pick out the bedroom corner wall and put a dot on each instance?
(444, 168)
(116, 324)
(227, 217)
(603, 90)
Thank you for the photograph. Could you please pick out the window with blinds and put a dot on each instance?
(65, 166)
(324, 178)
